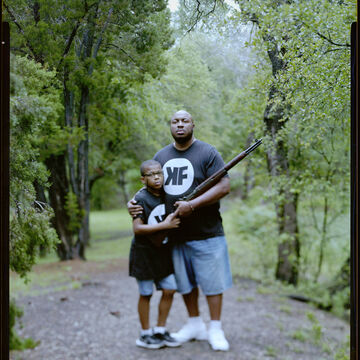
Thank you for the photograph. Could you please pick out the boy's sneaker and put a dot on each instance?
(217, 340)
(191, 331)
(167, 339)
(149, 342)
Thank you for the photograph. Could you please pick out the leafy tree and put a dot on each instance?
(81, 41)
(34, 108)
(308, 97)
(305, 47)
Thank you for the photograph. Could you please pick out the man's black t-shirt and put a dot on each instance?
(183, 171)
(148, 262)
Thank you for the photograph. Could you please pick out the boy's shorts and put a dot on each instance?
(202, 262)
(146, 286)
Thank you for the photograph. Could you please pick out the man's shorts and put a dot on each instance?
(202, 262)
(146, 286)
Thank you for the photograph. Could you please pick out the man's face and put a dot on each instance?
(181, 127)
(153, 177)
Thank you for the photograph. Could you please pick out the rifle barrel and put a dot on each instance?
(214, 178)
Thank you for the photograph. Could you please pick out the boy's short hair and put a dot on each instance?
(147, 163)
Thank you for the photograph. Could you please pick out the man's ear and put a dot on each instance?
(142, 179)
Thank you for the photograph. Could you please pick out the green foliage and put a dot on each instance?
(15, 342)
(73, 211)
(343, 352)
(271, 351)
(299, 335)
(34, 107)
(252, 235)
(101, 54)
(316, 329)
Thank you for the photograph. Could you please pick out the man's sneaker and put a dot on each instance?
(149, 342)
(191, 332)
(167, 339)
(217, 340)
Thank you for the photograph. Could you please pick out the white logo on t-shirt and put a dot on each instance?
(157, 215)
(178, 176)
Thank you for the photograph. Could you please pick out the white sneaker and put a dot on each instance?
(191, 332)
(217, 340)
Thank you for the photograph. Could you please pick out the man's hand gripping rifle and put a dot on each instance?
(158, 238)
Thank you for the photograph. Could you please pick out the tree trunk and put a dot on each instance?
(248, 178)
(57, 193)
(87, 51)
(83, 177)
(122, 184)
(69, 114)
(287, 268)
(286, 209)
(83, 148)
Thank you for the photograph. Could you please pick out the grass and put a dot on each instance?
(110, 222)
(114, 226)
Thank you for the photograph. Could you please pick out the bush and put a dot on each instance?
(16, 343)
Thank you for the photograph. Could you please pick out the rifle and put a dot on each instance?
(158, 238)
(215, 178)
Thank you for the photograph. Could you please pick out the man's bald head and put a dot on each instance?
(182, 114)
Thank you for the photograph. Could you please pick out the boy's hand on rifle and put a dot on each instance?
(172, 221)
(134, 209)
(184, 208)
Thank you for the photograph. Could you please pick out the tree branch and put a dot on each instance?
(328, 39)
(13, 18)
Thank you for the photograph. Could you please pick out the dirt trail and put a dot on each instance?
(98, 321)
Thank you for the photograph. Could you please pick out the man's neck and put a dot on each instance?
(185, 146)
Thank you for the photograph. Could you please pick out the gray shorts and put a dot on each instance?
(202, 262)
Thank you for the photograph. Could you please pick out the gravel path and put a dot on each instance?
(98, 321)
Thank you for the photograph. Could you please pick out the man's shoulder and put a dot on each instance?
(165, 149)
(204, 145)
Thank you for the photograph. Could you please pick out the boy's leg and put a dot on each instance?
(146, 339)
(164, 306)
(168, 287)
(144, 310)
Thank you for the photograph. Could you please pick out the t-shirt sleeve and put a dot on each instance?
(215, 162)
(140, 201)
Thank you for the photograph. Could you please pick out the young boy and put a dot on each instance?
(151, 264)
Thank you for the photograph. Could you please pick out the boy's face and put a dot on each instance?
(153, 177)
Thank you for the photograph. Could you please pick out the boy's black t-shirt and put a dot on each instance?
(146, 261)
(183, 171)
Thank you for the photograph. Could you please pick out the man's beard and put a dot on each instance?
(183, 139)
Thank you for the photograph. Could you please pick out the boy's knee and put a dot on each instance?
(146, 297)
(168, 292)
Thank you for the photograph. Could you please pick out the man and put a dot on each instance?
(200, 253)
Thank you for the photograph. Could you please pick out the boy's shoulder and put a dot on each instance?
(143, 195)
(146, 197)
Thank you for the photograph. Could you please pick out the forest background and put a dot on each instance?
(94, 84)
